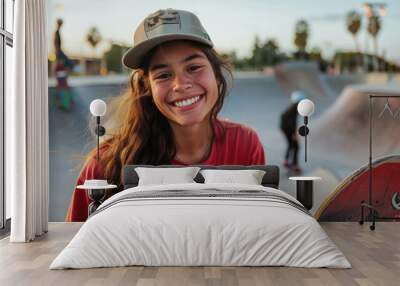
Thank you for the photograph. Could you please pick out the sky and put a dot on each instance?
(232, 25)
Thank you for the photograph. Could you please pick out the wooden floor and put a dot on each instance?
(374, 255)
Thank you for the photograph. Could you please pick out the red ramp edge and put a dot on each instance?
(344, 203)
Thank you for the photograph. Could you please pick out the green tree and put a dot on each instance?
(270, 53)
(353, 24)
(265, 54)
(112, 58)
(315, 54)
(257, 61)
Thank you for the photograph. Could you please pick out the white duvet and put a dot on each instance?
(183, 231)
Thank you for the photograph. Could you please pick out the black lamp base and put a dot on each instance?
(304, 193)
(97, 196)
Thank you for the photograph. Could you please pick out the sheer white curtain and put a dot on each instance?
(27, 156)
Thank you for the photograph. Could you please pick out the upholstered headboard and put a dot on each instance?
(271, 178)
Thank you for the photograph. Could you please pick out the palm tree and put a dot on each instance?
(256, 52)
(93, 37)
(374, 26)
(353, 23)
(301, 35)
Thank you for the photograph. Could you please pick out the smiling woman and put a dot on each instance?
(169, 113)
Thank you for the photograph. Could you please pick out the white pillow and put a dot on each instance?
(249, 177)
(162, 176)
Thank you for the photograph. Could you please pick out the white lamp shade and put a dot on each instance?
(98, 107)
(305, 107)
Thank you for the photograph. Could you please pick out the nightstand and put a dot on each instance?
(304, 190)
(96, 194)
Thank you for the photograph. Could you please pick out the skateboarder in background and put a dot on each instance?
(63, 66)
(288, 125)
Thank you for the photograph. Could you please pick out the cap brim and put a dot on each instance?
(134, 57)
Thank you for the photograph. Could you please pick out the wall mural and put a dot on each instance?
(270, 76)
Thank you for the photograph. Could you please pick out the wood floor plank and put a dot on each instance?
(212, 272)
(313, 282)
(374, 255)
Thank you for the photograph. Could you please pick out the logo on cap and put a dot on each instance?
(161, 17)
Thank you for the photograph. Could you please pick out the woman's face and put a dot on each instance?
(183, 83)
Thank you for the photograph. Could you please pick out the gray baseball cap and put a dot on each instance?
(164, 26)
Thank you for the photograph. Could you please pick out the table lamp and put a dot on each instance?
(96, 188)
(98, 108)
(305, 108)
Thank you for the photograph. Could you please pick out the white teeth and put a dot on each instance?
(186, 102)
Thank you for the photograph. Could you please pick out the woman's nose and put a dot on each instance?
(181, 83)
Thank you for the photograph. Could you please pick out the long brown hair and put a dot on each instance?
(142, 134)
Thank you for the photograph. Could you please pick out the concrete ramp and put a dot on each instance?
(323, 188)
(340, 81)
(343, 130)
(303, 76)
(395, 80)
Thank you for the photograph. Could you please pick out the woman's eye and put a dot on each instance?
(194, 68)
(163, 76)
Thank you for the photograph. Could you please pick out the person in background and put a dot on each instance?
(288, 126)
(62, 68)
(169, 113)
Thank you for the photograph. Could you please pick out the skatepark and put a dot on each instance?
(339, 128)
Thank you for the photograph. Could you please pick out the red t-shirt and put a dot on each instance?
(234, 144)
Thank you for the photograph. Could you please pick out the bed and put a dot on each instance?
(201, 224)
